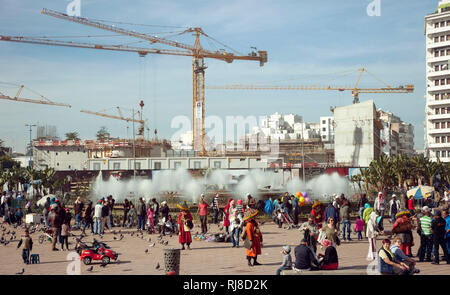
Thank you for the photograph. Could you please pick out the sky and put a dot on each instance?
(308, 43)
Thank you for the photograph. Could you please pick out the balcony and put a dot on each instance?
(438, 117)
(432, 88)
(431, 30)
(432, 73)
(439, 145)
(432, 59)
(442, 131)
(441, 102)
(432, 44)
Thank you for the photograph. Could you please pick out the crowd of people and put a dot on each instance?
(327, 226)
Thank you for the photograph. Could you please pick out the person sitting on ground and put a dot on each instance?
(313, 232)
(305, 259)
(400, 256)
(329, 260)
(387, 264)
(287, 260)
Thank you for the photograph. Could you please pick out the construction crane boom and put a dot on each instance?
(113, 117)
(355, 90)
(42, 101)
(195, 51)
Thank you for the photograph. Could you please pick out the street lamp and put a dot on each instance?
(31, 143)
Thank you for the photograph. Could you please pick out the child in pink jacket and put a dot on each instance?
(150, 219)
(359, 227)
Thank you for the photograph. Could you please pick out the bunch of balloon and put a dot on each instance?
(307, 199)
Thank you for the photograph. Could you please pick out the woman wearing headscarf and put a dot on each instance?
(329, 260)
(402, 228)
(380, 204)
(253, 234)
(366, 215)
(318, 213)
(184, 226)
(226, 219)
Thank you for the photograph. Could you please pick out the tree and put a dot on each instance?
(72, 136)
(102, 134)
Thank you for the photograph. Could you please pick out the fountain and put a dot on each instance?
(237, 183)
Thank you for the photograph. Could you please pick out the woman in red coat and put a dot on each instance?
(184, 226)
(253, 233)
(318, 213)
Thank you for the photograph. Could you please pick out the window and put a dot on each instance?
(324, 122)
(444, 154)
(436, 96)
(69, 167)
(57, 164)
(437, 139)
(438, 154)
(137, 165)
(436, 125)
(448, 51)
(442, 110)
(197, 164)
(442, 39)
(443, 138)
(436, 39)
(217, 164)
(96, 166)
(442, 52)
(442, 125)
(448, 124)
(436, 25)
(324, 129)
(324, 136)
(177, 165)
(56, 153)
(442, 24)
(436, 53)
(116, 166)
(436, 82)
(436, 111)
(436, 68)
(157, 165)
(442, 81)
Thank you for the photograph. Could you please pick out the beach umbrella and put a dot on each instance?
(420, 192)
(42, 200)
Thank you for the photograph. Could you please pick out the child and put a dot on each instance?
(65, 229)
(27, 247)
(150, 221)
(19, 215)
(287, 260)
(359, 227)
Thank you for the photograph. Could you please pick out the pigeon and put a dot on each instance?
(170, 235)
(132, 234)
(149, 239)
(160, 238)
(21, 272)
(114, 238)
(8, 232)
(157, 266)
(146, 251)
(152, 245)
(6, 243)
(166, 243)
(121, 237)
(103, 264)
(90, 268)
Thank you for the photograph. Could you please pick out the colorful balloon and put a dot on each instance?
(298, 194)
(308, 200)
(302, 200)
(305, 194)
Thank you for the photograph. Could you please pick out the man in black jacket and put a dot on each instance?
(438, 230)
(305, 259)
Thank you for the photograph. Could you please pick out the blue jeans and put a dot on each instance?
(98, 226)
(361, 210)
(85, 224)
(447, 242)
(26, 256)
(78, 220)
(359, 235)
(280, 269)
(216, 215)
(346, 226)
(235, 236)
(141, 223)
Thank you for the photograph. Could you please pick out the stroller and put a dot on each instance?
(282, 217)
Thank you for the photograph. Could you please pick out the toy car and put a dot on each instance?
(105, 255)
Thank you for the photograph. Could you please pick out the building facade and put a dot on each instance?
(437, 109)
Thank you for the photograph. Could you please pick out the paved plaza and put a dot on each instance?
(205, 258)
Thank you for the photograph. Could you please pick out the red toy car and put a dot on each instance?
(105, 255)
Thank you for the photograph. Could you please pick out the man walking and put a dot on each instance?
(55, 222)
(426, 237)
(345, 217)
(394, 207)
(141, 213)
(438, 229)
(98, 226)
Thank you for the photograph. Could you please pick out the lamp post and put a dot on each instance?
(31, 143)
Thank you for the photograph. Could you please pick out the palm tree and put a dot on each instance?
(383, 173)
(72, 136)
(419, 162)
(357, 178)
(401, 165)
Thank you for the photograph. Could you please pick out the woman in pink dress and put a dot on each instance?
(226, 219)
(150, 219)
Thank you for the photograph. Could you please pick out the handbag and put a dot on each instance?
(247, 243)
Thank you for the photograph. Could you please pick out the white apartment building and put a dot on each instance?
(437, 110)
(397, 137)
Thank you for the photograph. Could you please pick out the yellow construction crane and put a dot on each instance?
(43, 99)
(355, 90)
(121, 117)
(196, 51)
